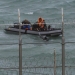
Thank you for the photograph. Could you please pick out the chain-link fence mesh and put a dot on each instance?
(40, 63)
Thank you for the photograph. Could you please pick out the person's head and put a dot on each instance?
(40, 19)
(25, 21)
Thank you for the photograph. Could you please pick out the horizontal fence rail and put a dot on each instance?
(55, 23)
(37, 43)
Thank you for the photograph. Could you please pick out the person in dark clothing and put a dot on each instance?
(35, 27)
(49, 27)
(45, 26)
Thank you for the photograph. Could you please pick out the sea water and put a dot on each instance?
(38, 56)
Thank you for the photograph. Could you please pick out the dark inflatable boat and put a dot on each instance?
(49, 32)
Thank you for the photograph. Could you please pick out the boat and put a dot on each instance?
(49, 32)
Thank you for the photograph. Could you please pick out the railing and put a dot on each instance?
(49, 64)
(38, 66)
(32, 66)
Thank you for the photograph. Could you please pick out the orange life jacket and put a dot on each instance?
(41, 22)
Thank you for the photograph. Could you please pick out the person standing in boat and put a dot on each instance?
(26, 25)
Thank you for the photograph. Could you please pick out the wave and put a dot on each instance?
(70, 1)
(29, 13)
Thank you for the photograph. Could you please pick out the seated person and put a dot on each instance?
(41, 24)
(26, 25)
(35, 27)
(45, 26)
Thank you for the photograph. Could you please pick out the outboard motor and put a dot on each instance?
(44, 37)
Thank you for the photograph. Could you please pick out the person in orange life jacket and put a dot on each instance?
(41, 23)
(26, 25)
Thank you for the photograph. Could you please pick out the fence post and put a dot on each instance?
(54, 63)
(20, 46)
(63, 47)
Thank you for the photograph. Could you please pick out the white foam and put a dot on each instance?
(29, 13)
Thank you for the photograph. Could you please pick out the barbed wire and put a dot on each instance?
(46, 23)
(36, 43)
(50, 20)
(35, 67)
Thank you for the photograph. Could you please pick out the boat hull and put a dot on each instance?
(54, 32)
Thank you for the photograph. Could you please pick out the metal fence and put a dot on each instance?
(45, 65)
(50, 64)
